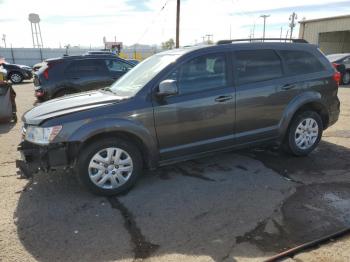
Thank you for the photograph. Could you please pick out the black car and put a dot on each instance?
(182, 104)
(73, 74)
(342, 63)
(17, 73)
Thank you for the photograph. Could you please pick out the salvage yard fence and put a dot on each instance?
(32, 56)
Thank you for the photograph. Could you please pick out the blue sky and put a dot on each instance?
(86, 22)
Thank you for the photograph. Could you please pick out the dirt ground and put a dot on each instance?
(237, 206)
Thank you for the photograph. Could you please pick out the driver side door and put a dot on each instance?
(201, 117)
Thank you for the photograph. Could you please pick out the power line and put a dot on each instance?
(152, 22)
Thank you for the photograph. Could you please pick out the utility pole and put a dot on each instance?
(281, 33)
(177, 44)
(208, 36)
(4, 39)
(292, 23)
(264, 17)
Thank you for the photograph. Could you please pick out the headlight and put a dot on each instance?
(41, 135)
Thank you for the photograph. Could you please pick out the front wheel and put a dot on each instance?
(304, 133)
(109, 166)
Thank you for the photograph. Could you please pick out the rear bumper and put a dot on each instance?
(46, 158)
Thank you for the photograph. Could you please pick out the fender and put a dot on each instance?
(108, 125)
(294, 105)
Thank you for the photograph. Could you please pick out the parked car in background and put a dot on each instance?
(17, 73)
(342, 63)
(73, 74)
(101, 53)
(182, 104)
(134, 61)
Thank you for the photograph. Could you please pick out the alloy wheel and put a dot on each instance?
(306, 133)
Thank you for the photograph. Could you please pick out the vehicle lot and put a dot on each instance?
(236, 206)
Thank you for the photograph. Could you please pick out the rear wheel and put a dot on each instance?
(16, 77)
(109, 166)
(304, 133)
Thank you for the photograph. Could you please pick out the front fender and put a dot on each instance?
(294, 105)
(90, 129)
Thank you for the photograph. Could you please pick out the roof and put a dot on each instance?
(324, 19)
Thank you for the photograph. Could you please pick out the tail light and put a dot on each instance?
(337, 77)
(335, 65)
(46, 73)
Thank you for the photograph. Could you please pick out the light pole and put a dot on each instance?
(264, 17)
(177, 42)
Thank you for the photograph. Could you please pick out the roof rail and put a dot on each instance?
(251, 40)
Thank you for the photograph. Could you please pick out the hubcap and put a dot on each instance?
(110, 168)
(16, 78)
(306, 133)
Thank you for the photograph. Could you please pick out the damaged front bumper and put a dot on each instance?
(46, 158)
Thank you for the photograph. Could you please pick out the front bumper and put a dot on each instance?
(35, 157)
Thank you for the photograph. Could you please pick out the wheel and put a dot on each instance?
(109, 166)
(16, 77)
(304, 133)
(63, 92)
(346, 78)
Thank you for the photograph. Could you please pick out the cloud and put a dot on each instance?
(335, 6)
(138, 5)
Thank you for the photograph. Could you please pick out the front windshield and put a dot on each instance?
(140, 75)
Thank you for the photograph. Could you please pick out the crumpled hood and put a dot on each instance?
(69, 104)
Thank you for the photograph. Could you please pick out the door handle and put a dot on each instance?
(221, 99)
(288, 86)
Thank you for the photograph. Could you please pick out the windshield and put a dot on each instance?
(140, 75)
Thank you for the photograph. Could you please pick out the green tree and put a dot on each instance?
(168, 44)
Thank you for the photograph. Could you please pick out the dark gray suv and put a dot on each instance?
(182, 104)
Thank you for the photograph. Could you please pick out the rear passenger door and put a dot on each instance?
(87, 74)
(262, 93)
(116, 68)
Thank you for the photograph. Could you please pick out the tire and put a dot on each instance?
(63, 92)
(346, 78)
(304, 133)
(16, 77)
(123, 179)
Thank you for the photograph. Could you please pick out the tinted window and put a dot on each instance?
(301, 62)
(88, 66)
(257, 65)
(114, 65)
(201, 73)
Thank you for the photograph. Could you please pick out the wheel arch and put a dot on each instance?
(124, 129)
(308, 101)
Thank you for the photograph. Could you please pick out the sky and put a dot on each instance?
(84, 22)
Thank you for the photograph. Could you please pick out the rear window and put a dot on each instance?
(86, 66)
(301, 62)
(257, 65)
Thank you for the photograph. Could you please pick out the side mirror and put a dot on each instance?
(167, 87)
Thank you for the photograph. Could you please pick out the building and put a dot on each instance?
(331, 34)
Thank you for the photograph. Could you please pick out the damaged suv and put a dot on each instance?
(181, 104)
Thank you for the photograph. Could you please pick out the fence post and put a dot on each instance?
(13, 57)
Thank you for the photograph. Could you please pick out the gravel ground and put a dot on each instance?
(237, 206)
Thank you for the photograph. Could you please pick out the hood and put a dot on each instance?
(69, 104)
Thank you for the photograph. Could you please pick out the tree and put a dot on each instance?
(168, 44)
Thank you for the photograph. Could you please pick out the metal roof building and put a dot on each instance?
(332, 34)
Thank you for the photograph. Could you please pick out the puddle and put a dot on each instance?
(312, 212)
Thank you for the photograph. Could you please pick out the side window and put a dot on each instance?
(86, 67)
(201, 73)
(114, 66)
(257, 65)
(301, 62)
